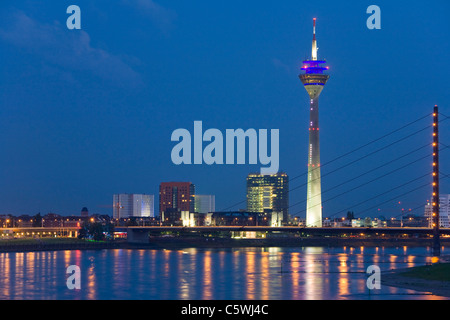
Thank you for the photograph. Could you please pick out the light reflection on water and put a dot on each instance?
(311, 273)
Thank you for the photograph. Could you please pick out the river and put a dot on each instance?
(308, 273)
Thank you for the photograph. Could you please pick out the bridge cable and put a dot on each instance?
(350, 152)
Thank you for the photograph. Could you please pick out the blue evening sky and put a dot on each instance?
(88, 113)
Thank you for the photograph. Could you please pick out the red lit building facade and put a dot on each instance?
(176, 196)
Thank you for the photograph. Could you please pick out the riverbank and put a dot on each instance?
(434, 279)
(51, 244)
(55, 244)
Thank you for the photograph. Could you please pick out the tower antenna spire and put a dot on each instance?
(314, 43)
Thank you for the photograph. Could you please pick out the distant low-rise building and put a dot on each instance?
(240, 218)
(368, 223)
(84, 212)
(24, 221)
(205, 203)
(193, 219)
(172, 217)
(52, 220)
(133, 205)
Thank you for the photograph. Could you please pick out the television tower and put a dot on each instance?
(314, 80)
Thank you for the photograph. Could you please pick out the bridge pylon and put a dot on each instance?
(435, 194)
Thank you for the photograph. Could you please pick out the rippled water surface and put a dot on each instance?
(241, 273)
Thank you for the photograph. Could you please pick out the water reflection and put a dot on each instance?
(251, 277)
(245, 273)
(264, 278)
(207, 293)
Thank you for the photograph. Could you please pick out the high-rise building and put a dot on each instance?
(176, 196)
(444, 211)
(205, 203)
(268, 193)
(127, 205)
(314, 81)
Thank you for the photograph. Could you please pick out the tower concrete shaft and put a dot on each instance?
(314, 81)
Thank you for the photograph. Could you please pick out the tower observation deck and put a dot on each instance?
(314, 81)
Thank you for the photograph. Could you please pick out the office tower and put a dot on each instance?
(205, 203)
(176, 196)
(314, 81)
(268, 193)
(444, 212)
(133, 205)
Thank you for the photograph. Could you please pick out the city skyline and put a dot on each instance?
(166, 151)
(69, 146)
